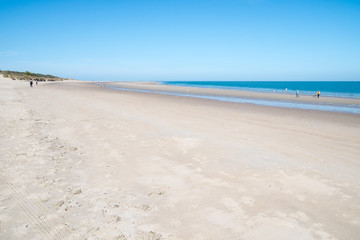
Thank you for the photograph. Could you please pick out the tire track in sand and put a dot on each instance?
(33, 209)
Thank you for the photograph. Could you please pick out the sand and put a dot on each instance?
(236, 93)
(79, 161)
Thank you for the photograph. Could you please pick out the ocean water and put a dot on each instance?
(354, 109)
(344, 89)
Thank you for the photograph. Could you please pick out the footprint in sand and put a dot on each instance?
(149, 236)
(144, 207)
(156, 194)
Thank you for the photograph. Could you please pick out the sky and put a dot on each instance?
(155, 40)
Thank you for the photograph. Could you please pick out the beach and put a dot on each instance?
(276, 96)
(81, 161)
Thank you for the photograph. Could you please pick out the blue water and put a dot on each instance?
(355, 109)
(330, 88)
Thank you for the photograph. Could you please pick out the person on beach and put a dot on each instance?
(318, 94)
(297, 94)
(31, 83)
(36, 83)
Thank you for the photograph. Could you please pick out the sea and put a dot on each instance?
(339, 89)
(345, 89)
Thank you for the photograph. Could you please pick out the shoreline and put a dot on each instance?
(269, 89)
(233, 106)
(237, 92)
(334, 104)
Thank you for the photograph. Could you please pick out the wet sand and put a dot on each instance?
(234, 93)
(79, 161)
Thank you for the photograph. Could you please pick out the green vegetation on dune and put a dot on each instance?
(30, 76)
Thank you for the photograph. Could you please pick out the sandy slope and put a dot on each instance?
(83, 162)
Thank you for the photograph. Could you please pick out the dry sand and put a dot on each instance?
(83, 162)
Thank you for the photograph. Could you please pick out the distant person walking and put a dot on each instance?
(31, 83)
(318, 94)
(36, 83)
(297, 94)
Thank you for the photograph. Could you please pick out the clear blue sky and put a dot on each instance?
(182, 40)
